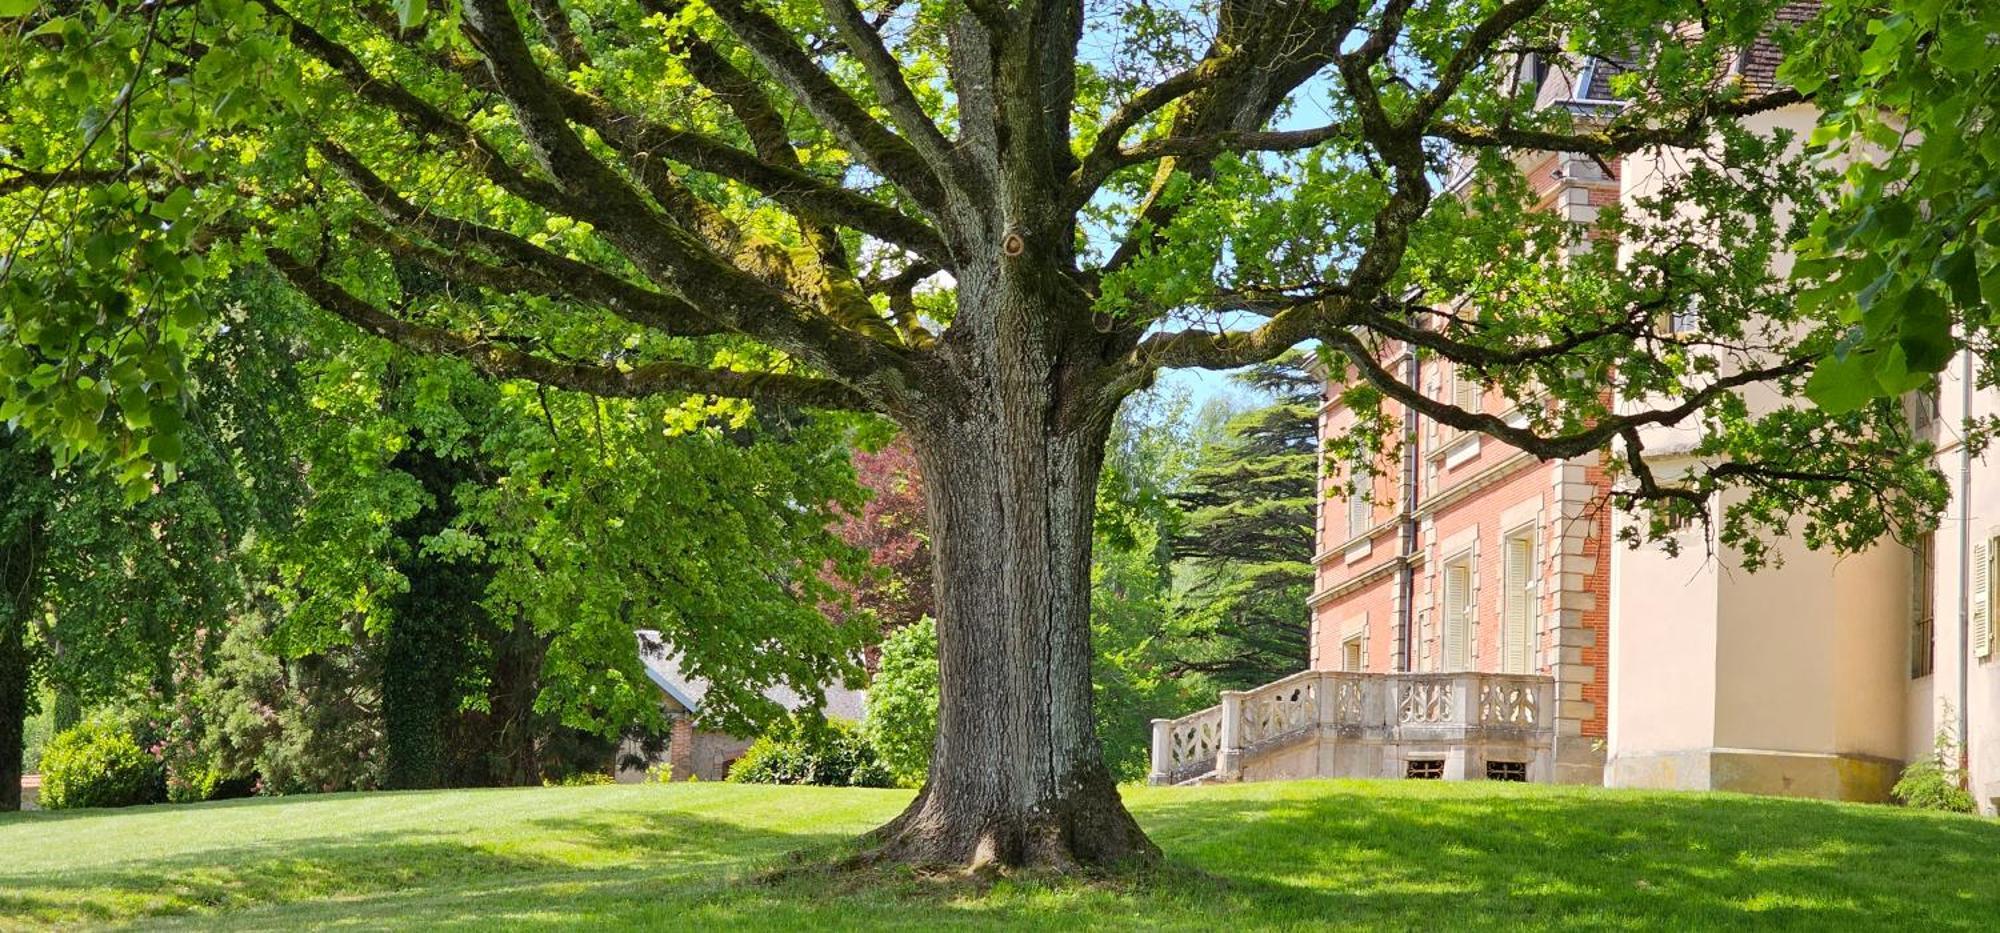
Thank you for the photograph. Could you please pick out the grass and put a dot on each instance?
(1306, 855)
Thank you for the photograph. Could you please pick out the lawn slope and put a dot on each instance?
(1262, 856)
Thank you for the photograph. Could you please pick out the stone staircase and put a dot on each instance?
(1457, 726)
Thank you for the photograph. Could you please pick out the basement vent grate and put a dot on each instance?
(1425, 769)
(1507, 771)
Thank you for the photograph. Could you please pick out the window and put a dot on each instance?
(1682, 518)
(1685, 319)
(1352, 657)
(1466, 392)
(1360, 512)
(1923, 607)
(1516, 771)
(1424, 769)
(1982, 599)
(1923, 409)
(1517, 601)
(1458, 614)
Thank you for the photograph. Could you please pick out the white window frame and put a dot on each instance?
(1519, 585)
(1983, 556)
(1360, 511)
(1455, 628)
(1352, 647)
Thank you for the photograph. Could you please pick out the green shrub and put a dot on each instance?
(35, 736)
(99, 764)
(580, 779)
(798, 751)
(1934, 783)
(1928, 785)
(903, 701)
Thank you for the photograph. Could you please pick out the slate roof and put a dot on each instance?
(663, 668)
(1758, 65)
(1589, 88)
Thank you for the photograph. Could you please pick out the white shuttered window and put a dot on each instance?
(1982, 599)
(1517, 615)
(1458, 614)
(1466, 392)
(1360, 512)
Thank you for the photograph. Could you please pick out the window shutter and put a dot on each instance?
(1520, 557)
(1466, 392)
(1457, 609)
(1360, 513)
(1982, 599)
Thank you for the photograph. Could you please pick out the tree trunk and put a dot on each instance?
(19, 591)
(1017, 778)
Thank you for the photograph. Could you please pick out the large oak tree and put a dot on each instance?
(987, 220)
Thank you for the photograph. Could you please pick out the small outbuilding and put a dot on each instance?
(697, 753)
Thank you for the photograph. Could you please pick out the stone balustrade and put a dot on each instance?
(1338, 724)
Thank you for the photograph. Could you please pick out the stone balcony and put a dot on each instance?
(1460, 726)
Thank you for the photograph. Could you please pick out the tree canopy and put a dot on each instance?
(988, 220)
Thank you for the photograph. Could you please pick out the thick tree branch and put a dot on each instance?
(733, 298)
(1562, 446)
(33, 180)
(666, 313)
(418, 116)
(1620, 136)
(506, 362)
(886, 76)
(1103, 158)
(889, 154)
(1202, 349)
(804, 194)
(1478, 47)
(1281, 46)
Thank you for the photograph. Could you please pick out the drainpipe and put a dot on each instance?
(1964, 568)
(1406, 499)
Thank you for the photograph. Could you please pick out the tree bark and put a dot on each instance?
(19, 591)
(1017, 777)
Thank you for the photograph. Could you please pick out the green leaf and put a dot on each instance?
(1841, 384)
(165, 448)
(1894, 374)
(1960, 273)
(410, 13)
(13, 8)
(1924, 333)
(1963, 51)
(174, 205)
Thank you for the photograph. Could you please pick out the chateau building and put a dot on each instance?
(1475, 615)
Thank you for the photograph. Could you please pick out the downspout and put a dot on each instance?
(1964, 568)
(1406, 499)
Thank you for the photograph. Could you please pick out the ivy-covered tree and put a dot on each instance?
(1245, 550)
(24, 505)
(951, 214)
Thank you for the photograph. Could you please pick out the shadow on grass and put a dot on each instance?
(584, 853)
(1350, 854)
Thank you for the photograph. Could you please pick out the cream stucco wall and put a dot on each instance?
(1663, 645)
(1791, 680)
(1933, 702)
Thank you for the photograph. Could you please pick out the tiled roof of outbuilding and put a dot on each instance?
(663, 668)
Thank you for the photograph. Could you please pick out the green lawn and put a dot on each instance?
(1262, 856)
